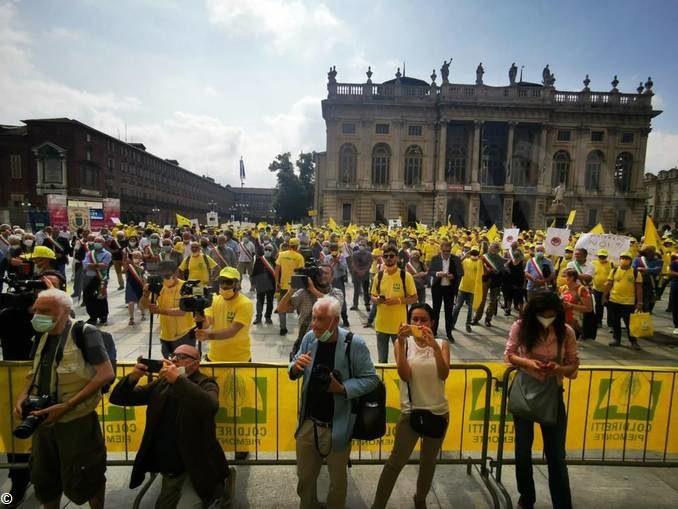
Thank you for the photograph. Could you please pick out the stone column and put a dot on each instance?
(507, 216)
(442, 155)
(638, 173)
(474, 210)
(578, 169)
(364, 163)
(508, 185)
(397, 169)
(545, 166)
(607, 177)
(475, 161)
(539, 210)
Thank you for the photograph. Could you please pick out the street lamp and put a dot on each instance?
(212, 205)
(155, 211)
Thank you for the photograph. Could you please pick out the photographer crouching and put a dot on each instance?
(309, 284)
(58, 406)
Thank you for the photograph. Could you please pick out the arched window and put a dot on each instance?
(413, 162)
(561, 168)
(381, 160)
(594, 163)
(348, 157)
(622, 172)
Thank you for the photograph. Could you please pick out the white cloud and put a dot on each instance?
(63, 33)
(292, 27)
(662, 151)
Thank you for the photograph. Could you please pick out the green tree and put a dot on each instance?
(294, 192)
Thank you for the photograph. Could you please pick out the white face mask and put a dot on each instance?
(546, 322)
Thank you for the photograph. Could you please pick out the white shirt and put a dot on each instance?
(428, 390)
(446, 268)
(586, 268)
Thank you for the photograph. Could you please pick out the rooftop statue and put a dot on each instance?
(513, 71)
(479, 74)
(445, 70)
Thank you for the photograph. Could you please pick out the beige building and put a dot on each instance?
(662, 198)
(479, 154)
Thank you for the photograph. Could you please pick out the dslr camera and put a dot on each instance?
(195, 298)
(31, 422)
(320, 377)
(22, 292)
(301, 276)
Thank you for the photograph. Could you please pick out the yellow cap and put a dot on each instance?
(602, 252)
(626, 254)
(230, 273)
(43, 252)
(294, 241)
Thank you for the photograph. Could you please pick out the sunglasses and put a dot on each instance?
(181, 357)
(227, 282)
(390, 255)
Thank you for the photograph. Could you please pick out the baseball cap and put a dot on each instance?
(43, 252)
(626, 254)
(602, 252)
(230, 273)
(293, 241)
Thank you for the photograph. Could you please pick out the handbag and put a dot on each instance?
(369, 409)
(424, 422)
(641, 325)
(535, 400)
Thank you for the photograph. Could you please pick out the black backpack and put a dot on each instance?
(370, 408)
(109, 345)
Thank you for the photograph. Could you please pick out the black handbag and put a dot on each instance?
(424, 422)
(369, 409)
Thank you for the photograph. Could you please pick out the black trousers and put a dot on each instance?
(340, 285)
(268, 297)
(362, 284)
(443, 295)
(554, 449)
(673, 304)
(617, 313)
(96, 308)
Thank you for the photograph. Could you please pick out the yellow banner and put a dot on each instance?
(627, 411)
(570, 218)
(183, 221)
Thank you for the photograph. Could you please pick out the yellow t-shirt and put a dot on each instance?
(288, 261)
(223, 313)
(601, 274)
(623, 286)
(197, 269)
(389, 318)
(468, 280)
(173, 327)
(560, 267)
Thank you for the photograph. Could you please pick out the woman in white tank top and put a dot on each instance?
(423, 365)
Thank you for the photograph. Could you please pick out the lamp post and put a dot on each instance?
(155, 211)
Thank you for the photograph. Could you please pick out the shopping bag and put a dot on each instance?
(640, 325)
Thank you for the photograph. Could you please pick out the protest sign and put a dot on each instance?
(556, 241)
(615, 244)
(510, 235)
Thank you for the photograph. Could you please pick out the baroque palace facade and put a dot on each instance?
(479, 154)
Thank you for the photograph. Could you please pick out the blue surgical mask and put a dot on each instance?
(97, 246)
(42, 323)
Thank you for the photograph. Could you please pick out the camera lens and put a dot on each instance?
(27, 427)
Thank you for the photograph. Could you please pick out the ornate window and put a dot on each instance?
(622, 172)
(561, 168)
(594, 162)
(348, 157)
(413, 163)
(381, 161)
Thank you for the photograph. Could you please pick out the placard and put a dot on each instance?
(556, 241)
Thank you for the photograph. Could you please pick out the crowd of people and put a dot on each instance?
(193, 280)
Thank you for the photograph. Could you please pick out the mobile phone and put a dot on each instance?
(416, 331)
(382, 297)
(153, 365)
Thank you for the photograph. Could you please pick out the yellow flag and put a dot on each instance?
(351, 229)
(597, 229)
(570, 218)
(651, 237)
(493, 234)
(262, 226)
(183, 221)
(332, 223)
(478, 285)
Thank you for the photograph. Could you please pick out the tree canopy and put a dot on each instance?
(294, 191)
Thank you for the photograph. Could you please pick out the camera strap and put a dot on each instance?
(58, 355)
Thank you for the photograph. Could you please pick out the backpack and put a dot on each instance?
(370, 408)
(380, 276)
(109, 344)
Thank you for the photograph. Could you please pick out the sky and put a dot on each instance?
(208, 81)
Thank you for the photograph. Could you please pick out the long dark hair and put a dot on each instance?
(530, 328)
(418, 305)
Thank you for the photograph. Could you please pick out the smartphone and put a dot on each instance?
(382, 297)
(416, 331)
(153, 365)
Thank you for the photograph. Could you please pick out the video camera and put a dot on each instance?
(31, 422)
(310, 270)
(195, 297)
(22, 292)
(156, 275)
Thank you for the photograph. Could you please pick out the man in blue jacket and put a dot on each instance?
(325, 417)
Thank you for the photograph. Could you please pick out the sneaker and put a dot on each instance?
(468, 328)
(488, 323)
(367, 325)
(269, 321)
(635, 345)
(450, 338)
(121, 288)
(614, 343)
(242, 455)
(17, 494)
(475, 322)
(92, 321)
(131, 321)
(367, 307)
(345, 323)
(353, 308)
(143, 318)
(283, 332)
(257, 321)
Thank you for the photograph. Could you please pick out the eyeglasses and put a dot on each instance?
(181, 357)
(390, 255)
(227, 282)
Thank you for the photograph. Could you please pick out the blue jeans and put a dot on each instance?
(383, 339)
(463, 297)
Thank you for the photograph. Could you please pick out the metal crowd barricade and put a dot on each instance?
(616, 416)
(258, 415)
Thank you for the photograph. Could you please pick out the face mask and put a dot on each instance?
(28, 242)
(268, 253)
(132, 243)
(326, 250)
(97, 246)
(545, 322)
(166, 249)
(42, 323)
(181, 369)
(227, 294)
(325, 336)
(539, 255)
(154, 242)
